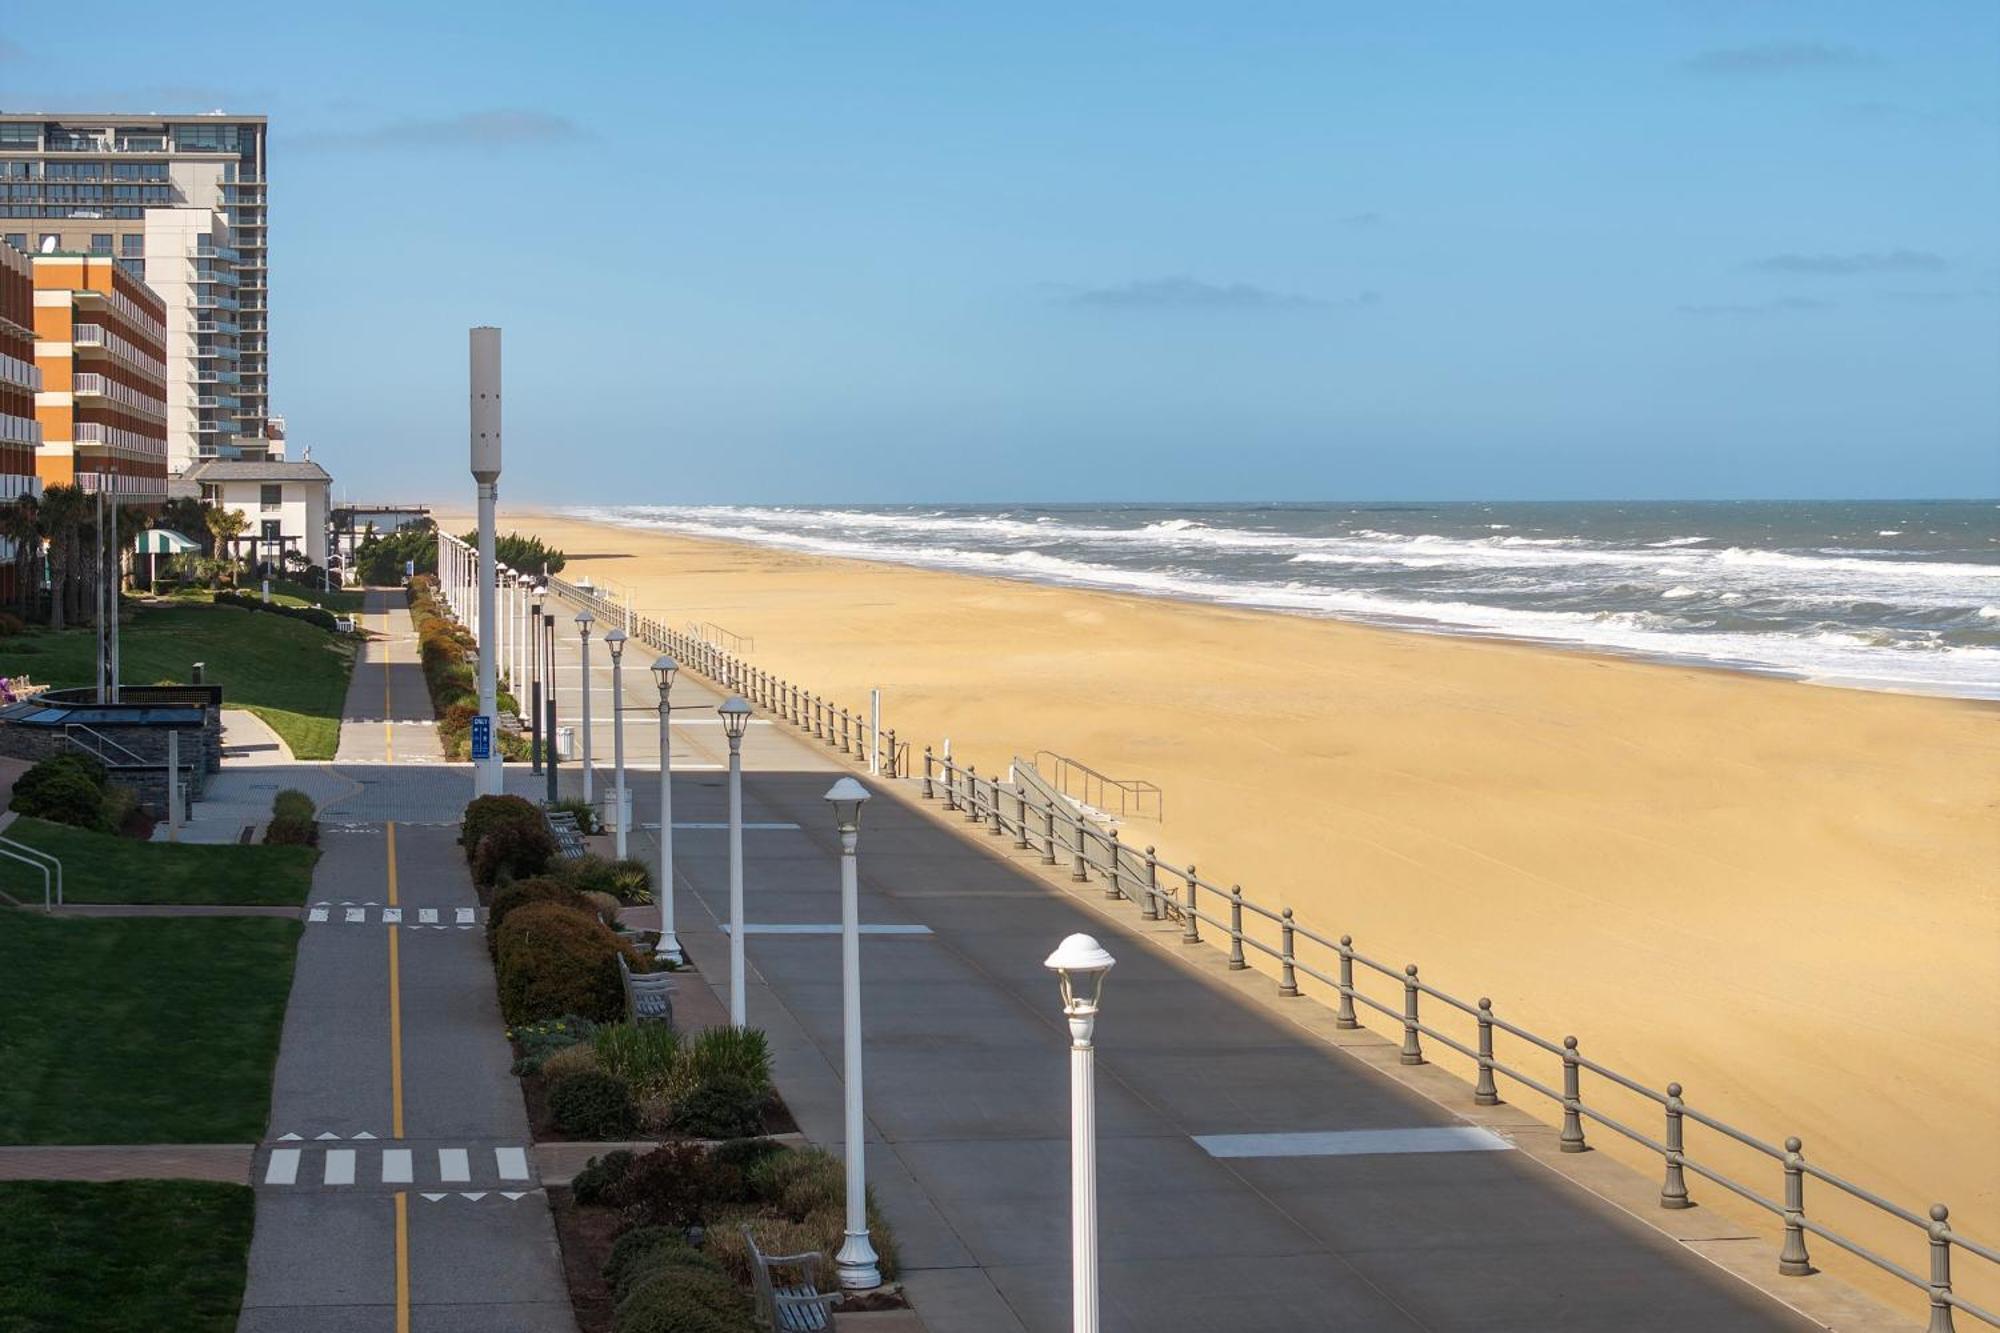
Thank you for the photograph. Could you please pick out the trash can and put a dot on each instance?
(614, 813)
(565, 742)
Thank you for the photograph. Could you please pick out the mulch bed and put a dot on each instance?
(585, 1235)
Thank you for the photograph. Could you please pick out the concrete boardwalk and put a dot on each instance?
(967, 1094)
(394, 1186)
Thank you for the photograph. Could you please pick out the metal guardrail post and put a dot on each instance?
(1150, 909)
(1079, 868)
(1344, 1016)
(1572, 1130)
(1190, 923)
(971, 793)
(1674, 1190)
(1793, 1261)
(1413, 1051)
(1236, 963)
(1021, 839)
(1288, 981)
(994, 824)
(1483, 1092)
(927, 772)
(1113, 885)
(1940, 1234)
(950, 784)
(892, 763)
(1048, 833)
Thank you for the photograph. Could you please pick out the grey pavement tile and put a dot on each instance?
(1198, 1293)
(319, 1249)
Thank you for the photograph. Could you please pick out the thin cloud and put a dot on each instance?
(1867, 261)
(1775, 58)
(1361, 220)
(505, 128)
(1783, 305)
(1185, 293)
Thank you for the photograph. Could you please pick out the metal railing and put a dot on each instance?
(99, 745)
(37, 859)
(1080, 782)
(710, 632)
(1164, 892)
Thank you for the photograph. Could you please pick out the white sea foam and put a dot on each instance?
(1680, 590)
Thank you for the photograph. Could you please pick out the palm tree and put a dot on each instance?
(226, 525)
(64, 510)
(21, 524)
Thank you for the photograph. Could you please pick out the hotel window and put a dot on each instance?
(132, 246)
(19, 240)
(273, 497)
(49, 241)
(100, 243)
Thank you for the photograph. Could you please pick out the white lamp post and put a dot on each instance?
(736, 720)
(487, 779)
(536, 740)
(615, 641)
(856, 1260)
(669, 945)
(583, 622)
(1080, 963)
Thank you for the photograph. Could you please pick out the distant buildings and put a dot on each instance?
(100, 343)
(286, 504)
(19, 379)
(179, 202)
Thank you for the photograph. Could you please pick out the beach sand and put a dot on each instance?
(1784, 896)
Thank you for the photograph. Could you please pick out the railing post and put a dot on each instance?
(1113, 885)
(893, 760)
(1572, 1131)
(1150, 910)
(1674, 1191)
(1483, 1092)
(1793, 1261)
(950, 784)
(994, 826)
(1288, 981)
(1940, 1233)
(927, 772)
(1079, 867)
(1344, 1016)
(1021, 839)
(1190, 923)
(971, 793)
(1236, 963)
(1413, 1051)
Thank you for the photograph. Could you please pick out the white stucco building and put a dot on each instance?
(286, 504)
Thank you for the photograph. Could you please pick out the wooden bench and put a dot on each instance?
(649, 996)
(800, 1307)
(565, 830)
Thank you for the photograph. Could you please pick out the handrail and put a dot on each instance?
(136, 759)
(22, 852)
(710, 632)
(1097, 786)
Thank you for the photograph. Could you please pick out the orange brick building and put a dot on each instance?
(100, 343)
(19, 379)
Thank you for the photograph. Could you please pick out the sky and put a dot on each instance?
(824, 252)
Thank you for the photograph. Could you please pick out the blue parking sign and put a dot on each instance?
(482, 737)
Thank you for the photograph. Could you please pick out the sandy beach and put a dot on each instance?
(1783, 896)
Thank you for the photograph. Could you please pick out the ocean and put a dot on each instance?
(1895, 595)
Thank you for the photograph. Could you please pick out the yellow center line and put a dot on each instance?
(395, 1004)
(402, 1262)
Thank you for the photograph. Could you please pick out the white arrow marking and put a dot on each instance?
(475, 1195)
(364, 1134)
(340, 1166)
(284, 1168)
(289, 1138)
(317, 914)
(397, 1168)
(513, 1163)
(434, 1197)
(453, 1164)
(510, 1195)
(427, 916)
(324, 1135)
(392, 916)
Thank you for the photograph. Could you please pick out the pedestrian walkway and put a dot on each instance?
(1244, 1178)
(394, 1187)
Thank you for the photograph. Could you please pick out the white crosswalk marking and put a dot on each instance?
(397, 1167)
(356, 914)
(454, 1164)
(513, 1163)
(427, 916)
(317, 914)
(392, 916)
(284, 1168)
(464, 915)
(340, 1166)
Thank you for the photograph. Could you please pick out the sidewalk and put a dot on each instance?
(967, 1096)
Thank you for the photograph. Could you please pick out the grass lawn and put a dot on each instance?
(140, 1029)
(341, 601)
(102, 868)
(128, 1256)
(287, 672)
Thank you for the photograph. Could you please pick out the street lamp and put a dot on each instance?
(669, 945)
(535, 711)
(583, 623)
(1080, 963)
(735, 721)
(487, 778)
(856, 1260)
(615, 641)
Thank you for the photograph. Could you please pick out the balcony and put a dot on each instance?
(89, 385)
(130, 443)
(95, 337)
(212, 326)
(212, 302)
(209, 375)
(112, 483)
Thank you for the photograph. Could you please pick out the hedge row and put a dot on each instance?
(447, 652)
(312, 615)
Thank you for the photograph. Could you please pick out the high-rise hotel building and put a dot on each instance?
(100, 337)
(178, 201)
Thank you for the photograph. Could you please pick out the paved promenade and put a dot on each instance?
(1427, 1223)
(395, 1189)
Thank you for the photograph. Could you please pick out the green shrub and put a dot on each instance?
(552, 959)
(523, 892)
(592, 1105)
(731, 1052)
(599, 1174)
(505, 838)
(293, 819)
(631, 882)
(643, 1054)
(664, 1250)
(541, 1040)
(724, 1107)
(586, 817)
(65, 789)
(678, 1185)
(570, 1060)
(748, 1156)
(684, 1300)
(487, 812)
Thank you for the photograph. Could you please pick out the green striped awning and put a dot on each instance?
(163, 541)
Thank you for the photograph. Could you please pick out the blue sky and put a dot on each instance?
(852, 252)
